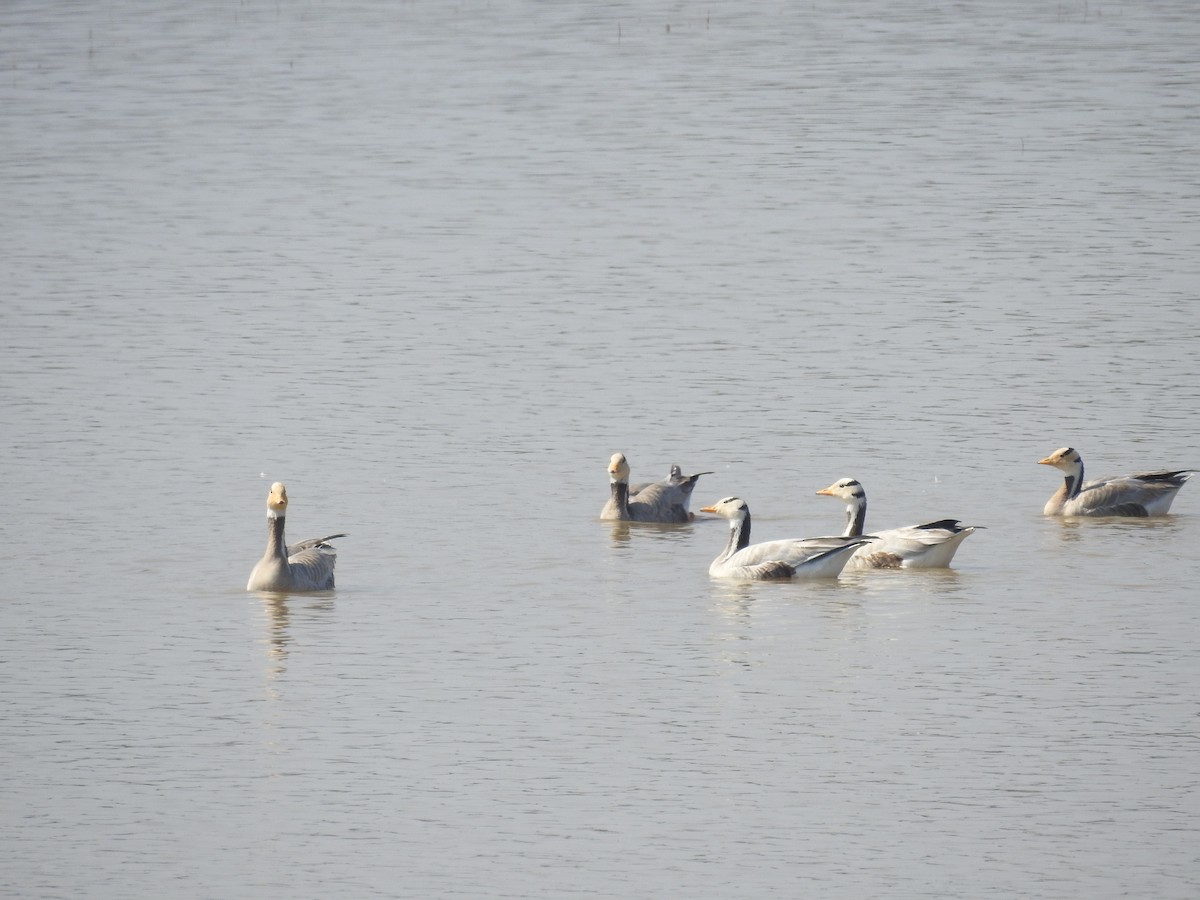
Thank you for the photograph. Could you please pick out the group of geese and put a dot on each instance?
(308, 565)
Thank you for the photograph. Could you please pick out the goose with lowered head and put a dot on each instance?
(928, 546)
(819, 557)
(306, 566)
(1144, 494)
(663, 501)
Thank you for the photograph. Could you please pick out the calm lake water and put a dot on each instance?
(431, 264)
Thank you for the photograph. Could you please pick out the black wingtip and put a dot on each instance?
(954, 525)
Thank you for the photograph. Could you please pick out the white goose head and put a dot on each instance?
(847, 489)
(732, 508)
(1065, 458)
(277, 500)
(851, 492)
(618, 468)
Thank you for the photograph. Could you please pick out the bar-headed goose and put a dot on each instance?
(306, 566)
(663, 501)
(820, 557)
(928, 546)
(1144, 494)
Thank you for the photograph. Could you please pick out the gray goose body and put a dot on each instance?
(928, 546)
(304, 566)
(1140, 495)
(664, 501)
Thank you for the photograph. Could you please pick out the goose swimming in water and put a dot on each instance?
(819, 557)
(928, 546)
(675, 476)
(663, 501)
(306, 566)
(1144, 494)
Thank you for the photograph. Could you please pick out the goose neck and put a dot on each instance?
(275, 544)
(1074, 482)
(739, 535)
(856, 517)
(620, 498)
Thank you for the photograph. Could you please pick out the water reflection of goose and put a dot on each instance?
(663, 501)
(306, 566)
(928, 546)
(1144, 494)
(820, 557)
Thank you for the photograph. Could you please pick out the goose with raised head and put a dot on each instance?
(664, 501)
(928, 546)
(819, 557)
(306, 566)
(1143, 494)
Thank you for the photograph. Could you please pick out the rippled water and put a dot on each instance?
(431, 265)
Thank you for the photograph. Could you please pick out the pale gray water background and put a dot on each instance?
(431, 264)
